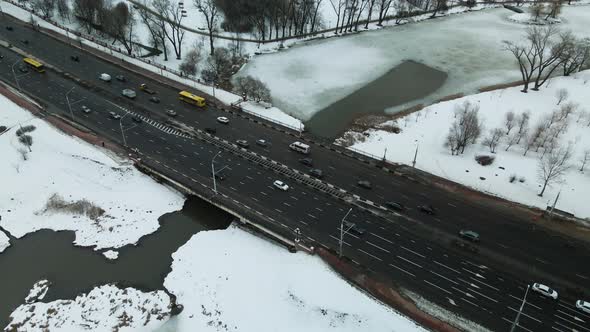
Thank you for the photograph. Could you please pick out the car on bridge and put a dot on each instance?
(223, 119)
(353, 228)
(262, 142)
(469, 235)
(129, 93)
(155, 99)
(171, 112)
(306, 161)
(143, 87)
(316, 173)
(242, 143)
(545, 290)
(428, 209)
(85, 109)
(136, 119)
(583, 305)
(395, 206)
(364, 184)
(280, 185)
(114, 116)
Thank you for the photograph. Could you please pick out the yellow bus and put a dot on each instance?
(190, 98)
(36, 65)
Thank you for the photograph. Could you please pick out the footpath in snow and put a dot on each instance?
(63, 183)
(428, 129)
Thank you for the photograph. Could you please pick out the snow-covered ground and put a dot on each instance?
(4, 241)
(429, 127)
(105, 308)
(309, 77)
(245, 284)
(110, 203)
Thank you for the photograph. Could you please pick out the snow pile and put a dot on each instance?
(111, 254)
(38, 292)
(105, 308)
(67, 184)
(307, 78)
(230, 280)
(428, 129)
(4, 241)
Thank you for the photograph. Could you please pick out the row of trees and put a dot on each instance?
(545, 50)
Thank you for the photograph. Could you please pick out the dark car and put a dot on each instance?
(75, 58)
(242, 143)
(211, 131)
(426, 209)
(136, 118)
(155, 99)
(9, 28)
(24, 41)
(316, 173)
(394, 206)
(364, 184)
(171, 112)
(220, 176)
(353, 228)
(121, 78)
(469, 235)
(306, 161)
(23, 69)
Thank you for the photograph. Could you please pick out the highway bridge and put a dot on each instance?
(412, 249)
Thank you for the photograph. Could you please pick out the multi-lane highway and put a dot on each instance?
(415, 256)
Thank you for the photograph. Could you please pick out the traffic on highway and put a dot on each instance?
(427, 239)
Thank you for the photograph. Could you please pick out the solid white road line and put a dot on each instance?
(399, 268)
(413, 252)
(483, 283)
(377, 258)
(378, 247)
(442, 289)
(409, 261)
(525, 314)
(338, 240)
(519, 325)
(450, 268)
(384, 239)
(440, 275)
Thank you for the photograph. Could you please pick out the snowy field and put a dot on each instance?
(245, 284)
(311, 76)
(429, 128)
(106, 202)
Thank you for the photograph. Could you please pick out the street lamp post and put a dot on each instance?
(342, 231)
(123, 130)
(515, 323)
(213, 172)
(68, 101)
(14, 73)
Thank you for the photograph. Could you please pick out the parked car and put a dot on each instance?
(469, 235)
(353, 228)
(86, 109)
(583, 305)
(545, 290)
(121, 78)
(171, 112)
(211, 131)
(75, 58)
(306, 161)
(104, 77)
(114, 116)
(9, 28)
(242, 143)
(364, 184)
(143, 87)
(24, 41)
(280, 185)
(223, 119)
(395, 206)
(426, 209)
(136, 119)
(155, 99)
(129, 93)
(262, 142)
(316, 173)
(23, 69)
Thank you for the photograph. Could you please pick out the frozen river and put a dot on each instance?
(310, 77)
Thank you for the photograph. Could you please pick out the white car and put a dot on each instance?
(223, 120)
(583, 305)
(281, 185)
(545, 290)
(85, 109)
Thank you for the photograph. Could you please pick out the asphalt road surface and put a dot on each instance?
(461, 282)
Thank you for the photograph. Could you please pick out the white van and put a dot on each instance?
(105, 77)
(299, 147)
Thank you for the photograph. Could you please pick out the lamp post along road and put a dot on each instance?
(14, 73)
(342, 231)
(124, 129)
(213, 172)
(515, 323)
(70, 105)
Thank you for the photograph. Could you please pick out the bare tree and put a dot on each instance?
(63, 9)
(566, 110)
(584, 159)
(554, 8)
(171, 16)
(189, 65)
(439, 5)
(209, 10)
(582, 114)
(523, 121)
(514, 138)
(24, 154)
(250, 87)
(527, 59)
(86, 11)
(552, 166)
(575, 56)
(534, 137)
(156, 25)
(561, 95)
(551, 54)
(493, 139)
(537, 10)
(46, 7)
(119, 22)
(466, 128)
(402, 11)
(219, 68)
(451, 142)
(384, 6)
(509, 121)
